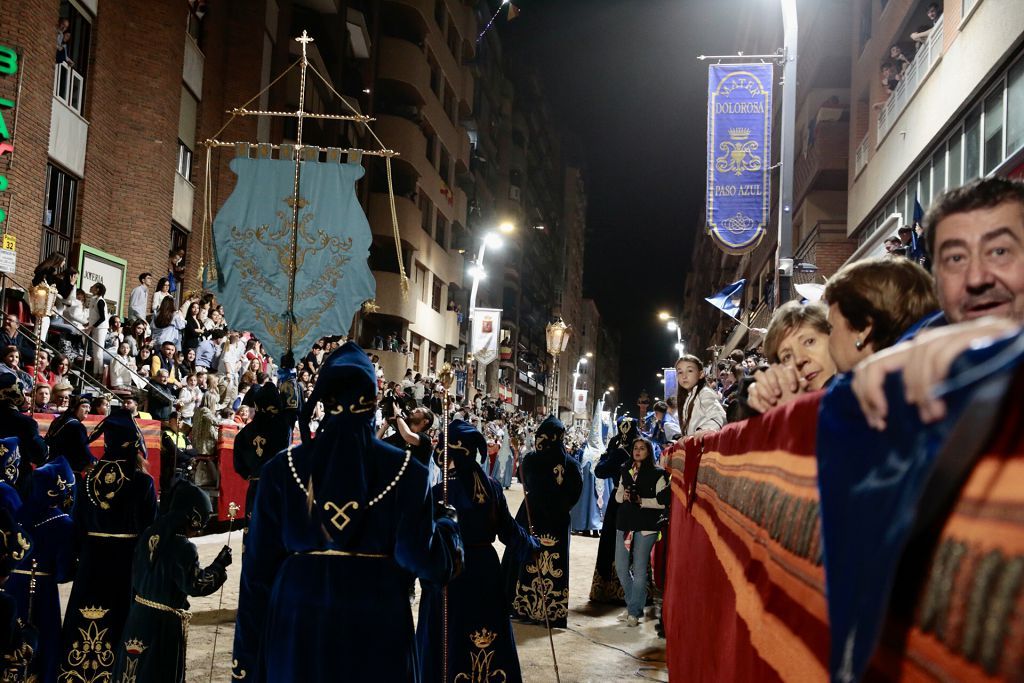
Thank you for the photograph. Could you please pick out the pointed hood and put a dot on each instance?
(188, 512)
(551, 436)
(122, 437)
(337, 457)
(53, 486)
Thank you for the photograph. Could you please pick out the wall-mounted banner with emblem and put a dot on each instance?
(484, 340)
(739, 154)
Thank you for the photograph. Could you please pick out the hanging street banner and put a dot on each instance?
(484, 340)
(739, 154)
(579, 401)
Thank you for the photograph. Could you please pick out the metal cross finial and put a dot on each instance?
(304, 38)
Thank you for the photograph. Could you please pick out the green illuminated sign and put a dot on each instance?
(8, 67)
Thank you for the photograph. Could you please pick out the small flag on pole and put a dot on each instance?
(730, 299)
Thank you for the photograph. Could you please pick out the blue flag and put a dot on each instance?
(730, 299)
(253, 250)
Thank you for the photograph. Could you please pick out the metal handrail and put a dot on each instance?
(85, 377)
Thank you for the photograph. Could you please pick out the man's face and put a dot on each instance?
(905, 236)
(148, 281)
(131, 406)
(979, 263)
(42, 395)
(10, 324)
(167, 350)
(161, 377)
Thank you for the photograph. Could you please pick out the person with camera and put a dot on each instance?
(637, 524)
(411, 432)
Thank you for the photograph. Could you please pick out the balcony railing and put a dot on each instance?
(860, 160)
(927, 55)
(68, 86)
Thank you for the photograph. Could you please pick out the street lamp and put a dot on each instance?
(556, 335)
(477, 273)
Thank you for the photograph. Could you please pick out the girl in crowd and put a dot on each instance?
(43, 373)
(117, 503)
(701, 409)
(193, 332)
(47, 271)
(163, 291)
(188, 399)
(60, 366)
(167, 323)
(122, 367)
(641, 500)
(10, 362)
(136, 337)
(145, 359)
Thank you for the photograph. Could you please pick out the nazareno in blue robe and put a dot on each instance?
(44, 517)
(605, 586)
(115, 503)
(481, 645)
(340, 527)
(539, 590)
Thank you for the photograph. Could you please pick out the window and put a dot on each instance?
(423, 282)
(426, 212)
(972, 146)
(179, 238)
(939, 172)
(865, 24)
(59, 211)
(956, 147)
(444, 167)
(453, 37)
(184, 161)
(431, 148)
(196, 12)
(993, 130)
(441, 231)
(71, 47)
(435, 295)
(924, 187)
(439, 13)
(436, 81)
(1015, 108)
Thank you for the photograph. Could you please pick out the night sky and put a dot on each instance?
(623, 78)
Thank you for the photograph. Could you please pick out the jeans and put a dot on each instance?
(634, 578)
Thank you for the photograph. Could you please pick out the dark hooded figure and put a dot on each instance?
(340, 526)
(605, 586)
(481, 645)
(13, 422)
(17, 639)
(268, 434)
(164, 573)
(46, 519)
(68, 437)
(552, 483)
(116, 502)
(10, 471)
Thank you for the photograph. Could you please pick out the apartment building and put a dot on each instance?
(107, 165)
(956, 114)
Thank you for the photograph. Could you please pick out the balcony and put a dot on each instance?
(405, 137)
(445, 264)
(824, 165)
(860, 159)
(927, 57)
(389, 297)
(404, 63)
(440, 327)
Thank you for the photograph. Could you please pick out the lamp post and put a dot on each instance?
(786, 145)
(606, 392)
(40, 302)
(477, 273)
(672, 323)
(556, 335)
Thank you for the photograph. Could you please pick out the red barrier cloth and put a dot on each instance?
(745, 587)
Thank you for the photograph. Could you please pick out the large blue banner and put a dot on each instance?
(253, 251)
(739, 154)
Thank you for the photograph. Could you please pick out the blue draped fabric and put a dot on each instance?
(253, 248)
(871, 485)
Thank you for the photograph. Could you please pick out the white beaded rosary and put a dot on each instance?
(376, 499)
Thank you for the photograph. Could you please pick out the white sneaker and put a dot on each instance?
(632, 621)
(623, 616)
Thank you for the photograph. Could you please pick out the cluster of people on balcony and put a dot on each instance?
(895, 67)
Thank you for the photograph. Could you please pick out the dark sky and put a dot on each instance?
(623, 77)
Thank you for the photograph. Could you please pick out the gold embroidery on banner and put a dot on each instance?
(339, 512)
(740, 154)
(482, 660)
(261, 290)
(91, 657)
(559, 471)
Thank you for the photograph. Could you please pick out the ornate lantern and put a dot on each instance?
(41, 298)
(557, 336)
